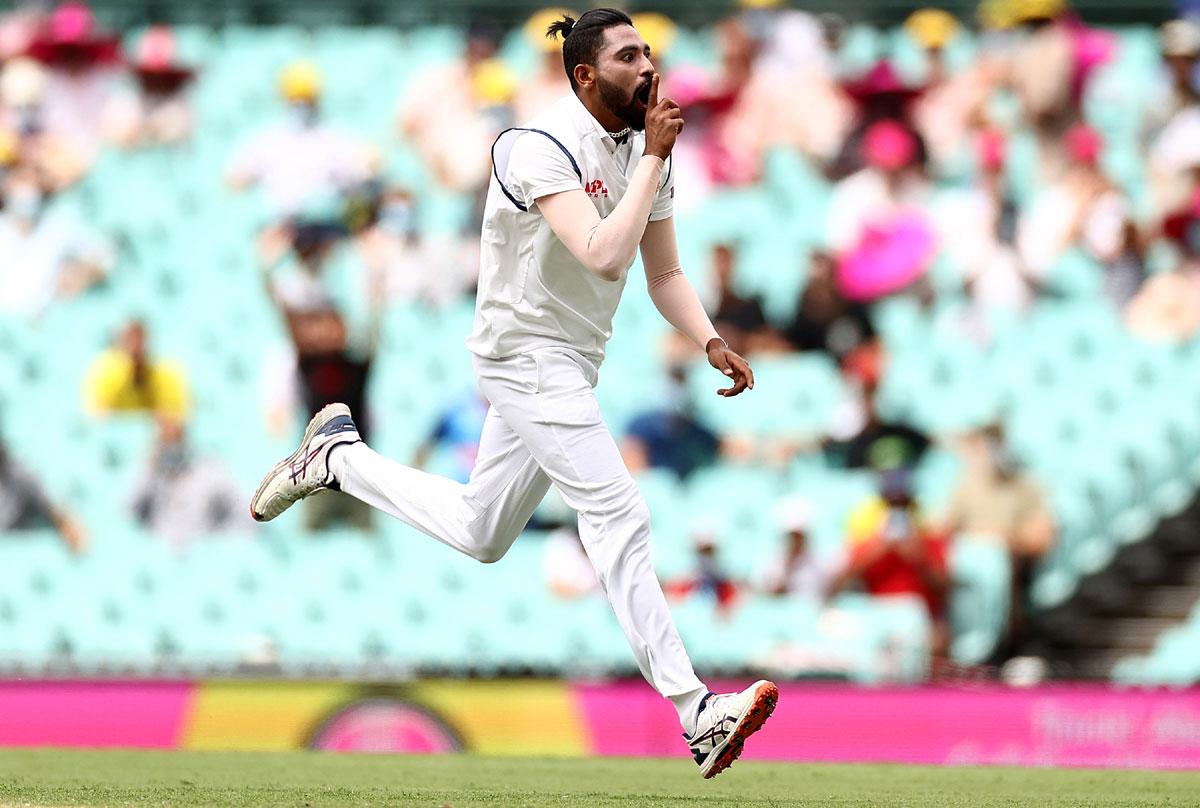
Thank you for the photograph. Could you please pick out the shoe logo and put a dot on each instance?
(300, 467)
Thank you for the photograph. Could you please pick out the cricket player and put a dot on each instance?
(574, 194)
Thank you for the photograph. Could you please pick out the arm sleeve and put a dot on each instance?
(664, 200)
(606, 247)
(669, 288)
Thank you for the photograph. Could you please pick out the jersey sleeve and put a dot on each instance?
(537, 167)
(664, 201)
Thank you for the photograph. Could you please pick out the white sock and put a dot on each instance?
(688, 707)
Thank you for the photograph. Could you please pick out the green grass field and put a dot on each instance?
(79, 778)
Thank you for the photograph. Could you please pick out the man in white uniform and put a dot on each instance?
(573, 196)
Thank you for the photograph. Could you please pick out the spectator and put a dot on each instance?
(996, 501)
(454, 112)
(708, 578)
(125, 378)
(25, 506)
(458, 429)
(739, 318)
(82, 64)
(1174, 121)
(323, 367)
(300, 158)
(569, 572)
(182, 497)
(880, 96)
(54, 154)
(798, 572)
(897, 556)
(1167, 308)
(157, 110)
(433, 270)
(977, 226)
(872, 441)
(669, 435)
(825, 319)
(1083, 210)
(549, 81)
(47, 253)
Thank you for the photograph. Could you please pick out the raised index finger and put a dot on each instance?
(653, 102)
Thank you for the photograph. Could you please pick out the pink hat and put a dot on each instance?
(888, 145)
(71, 32)
(1084, 144)
(991, 150)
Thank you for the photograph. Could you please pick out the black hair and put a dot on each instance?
(582, 38)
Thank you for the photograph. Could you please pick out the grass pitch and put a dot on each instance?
(45, 777)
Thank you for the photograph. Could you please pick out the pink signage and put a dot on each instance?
(1081, 725)
(142, 716)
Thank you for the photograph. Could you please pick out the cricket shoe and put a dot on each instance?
(726, 721)
(307, 469)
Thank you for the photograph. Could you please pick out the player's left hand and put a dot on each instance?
(732, 365)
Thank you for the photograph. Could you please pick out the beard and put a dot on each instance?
(623, 103)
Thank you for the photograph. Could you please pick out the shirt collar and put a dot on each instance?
(586, 123)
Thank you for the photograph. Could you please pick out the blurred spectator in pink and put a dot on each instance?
(880, 95)
(738, 317)
(899, 557)
(452, 112)
(156, 109)
(55, 154)
(300, 157)
(1167, 308)
(708, 578)
(568, 570)
(83, 65)
(548, 83)
(126, 378)
(25, 506)
(47, 252)
(798, 571)
(826, 320)
(181, 497)
(1084, 210)
(877, 225)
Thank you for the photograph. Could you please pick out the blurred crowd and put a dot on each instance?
(977, 176)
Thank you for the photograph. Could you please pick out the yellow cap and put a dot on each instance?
(931, 27)
(536, 25)
(493, 82)
(658, 30)
(8, 148)
(1007, 13)
(300, 81)
(759, 4)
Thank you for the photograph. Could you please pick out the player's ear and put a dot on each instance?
(585, 75)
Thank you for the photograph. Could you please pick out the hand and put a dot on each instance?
(664, 122)
(732, 365)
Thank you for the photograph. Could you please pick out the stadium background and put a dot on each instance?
(124, 623)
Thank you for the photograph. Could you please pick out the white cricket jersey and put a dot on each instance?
(533, 293)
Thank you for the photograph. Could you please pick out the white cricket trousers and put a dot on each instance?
(544, 425)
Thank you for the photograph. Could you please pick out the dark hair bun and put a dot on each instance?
(563, 26)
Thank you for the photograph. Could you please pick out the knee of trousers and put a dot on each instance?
(624, 504)
(489, 546)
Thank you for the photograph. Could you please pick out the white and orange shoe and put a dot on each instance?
(306, 471)
(725, 722)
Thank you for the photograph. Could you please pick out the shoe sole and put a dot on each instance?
(310, 432)
(766, 696)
